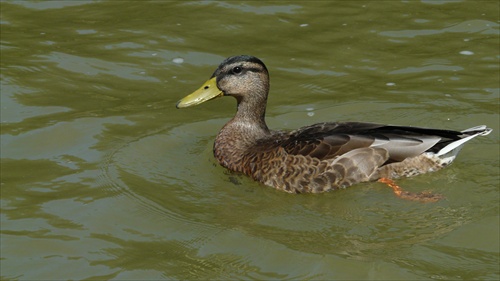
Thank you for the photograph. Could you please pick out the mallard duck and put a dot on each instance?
(319, 157)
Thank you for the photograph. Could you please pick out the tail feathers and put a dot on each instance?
(480, 130)
(455, 146)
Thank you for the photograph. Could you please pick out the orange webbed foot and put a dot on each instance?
(421, 196)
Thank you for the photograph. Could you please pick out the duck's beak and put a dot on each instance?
(206, 92)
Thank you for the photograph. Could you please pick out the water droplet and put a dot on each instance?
(467, 53)
(178, 60)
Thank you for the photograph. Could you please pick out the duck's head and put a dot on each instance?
(244, 77)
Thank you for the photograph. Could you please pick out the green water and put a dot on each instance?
(102, 178)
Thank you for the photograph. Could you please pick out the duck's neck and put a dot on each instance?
(252, 114)
(240, 135)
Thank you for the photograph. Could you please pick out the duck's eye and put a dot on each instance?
(236, 70)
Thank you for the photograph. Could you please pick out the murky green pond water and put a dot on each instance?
(102, 178)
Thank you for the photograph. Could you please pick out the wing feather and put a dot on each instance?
(329, 140)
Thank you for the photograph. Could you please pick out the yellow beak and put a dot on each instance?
(206, 92)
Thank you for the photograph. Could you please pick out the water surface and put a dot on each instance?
(102, 178)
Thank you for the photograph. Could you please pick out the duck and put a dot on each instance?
(324, 156)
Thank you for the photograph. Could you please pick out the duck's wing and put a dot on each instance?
(329, 140)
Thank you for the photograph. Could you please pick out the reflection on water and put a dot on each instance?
(101, 177)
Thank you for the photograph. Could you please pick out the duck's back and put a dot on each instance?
(327, 156)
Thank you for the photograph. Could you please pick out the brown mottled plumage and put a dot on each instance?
(322, 156)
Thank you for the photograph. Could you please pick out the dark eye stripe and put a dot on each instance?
(254, 69)
(238, 70)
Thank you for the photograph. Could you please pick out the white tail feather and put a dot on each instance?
(457, 145)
